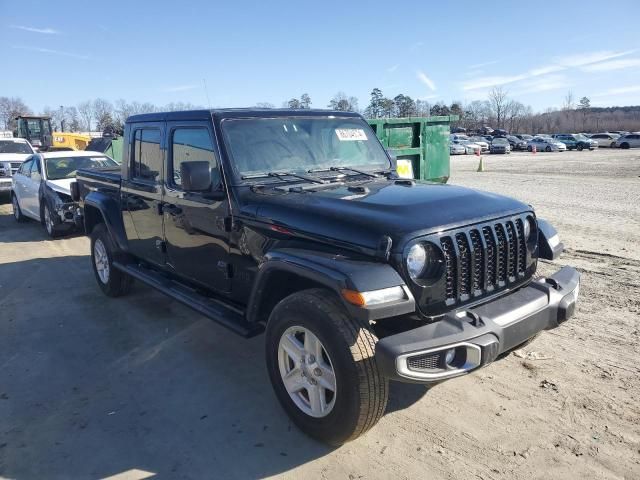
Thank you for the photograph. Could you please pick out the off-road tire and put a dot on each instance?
(362, 390)
(17, 212)
(118, 283)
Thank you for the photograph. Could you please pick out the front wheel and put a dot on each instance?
(580, 147)
(112, 282)
(624, 146)
(548, 149)
(47, 220)
(17, 213)
(322, 366)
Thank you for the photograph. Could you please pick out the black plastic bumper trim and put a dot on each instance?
(560, 293)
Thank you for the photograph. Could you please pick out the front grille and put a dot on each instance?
(15, 166)
(428, 361)
(483, 259)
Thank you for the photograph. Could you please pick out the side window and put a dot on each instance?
(146, 157)
(25, 168)
(189, 145)
(36, 173)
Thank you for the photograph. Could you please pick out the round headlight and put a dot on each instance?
(416, 260)
(527, 229)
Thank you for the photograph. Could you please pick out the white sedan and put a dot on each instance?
(13, 151)
(545, 144)
(41, 188)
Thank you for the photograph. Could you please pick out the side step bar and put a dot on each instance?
(218, 311)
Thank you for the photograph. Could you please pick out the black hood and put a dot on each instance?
(388, 208)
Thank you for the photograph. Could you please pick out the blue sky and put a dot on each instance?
(64, 52)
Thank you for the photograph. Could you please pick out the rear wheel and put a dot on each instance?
(17, 213)
(530, 148)
(580, 147)
(613, 145)
(548, 149)
(322, 366)
(625, 145)
(112, 282)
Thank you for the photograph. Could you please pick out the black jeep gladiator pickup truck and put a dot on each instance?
(294, 222)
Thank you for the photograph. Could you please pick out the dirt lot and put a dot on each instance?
(92, 388)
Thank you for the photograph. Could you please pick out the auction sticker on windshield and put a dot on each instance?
(350, 134)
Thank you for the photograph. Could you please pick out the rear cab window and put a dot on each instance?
(146, 156)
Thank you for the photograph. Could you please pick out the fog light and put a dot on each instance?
(450, 356)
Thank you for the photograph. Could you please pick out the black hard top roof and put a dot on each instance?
(235, 113)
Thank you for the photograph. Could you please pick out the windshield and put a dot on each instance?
(580, 137)
(500, 141)
(14, 147)
(302, 144)
(66, 167)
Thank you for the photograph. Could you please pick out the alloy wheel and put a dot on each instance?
(307, 371)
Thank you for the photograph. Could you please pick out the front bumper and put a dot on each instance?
(68, 214)
(466, 340)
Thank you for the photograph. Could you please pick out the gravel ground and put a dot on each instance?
(139, 386)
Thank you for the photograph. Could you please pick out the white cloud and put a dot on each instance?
(484, 64)
(426, 80)
(47, 31)
(179, 88)
(619, 91)
(545, 70)
(495, 81)
(587, 58)
(543, 84)
(392, 68)
(612, 65)
(53, 52)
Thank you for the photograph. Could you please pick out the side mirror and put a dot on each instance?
(195, 176)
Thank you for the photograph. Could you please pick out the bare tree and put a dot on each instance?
(265, 105)
(102, 111)
(498, 103)
(85, 110)
(568, 102)
(341, 102)
(11, 107)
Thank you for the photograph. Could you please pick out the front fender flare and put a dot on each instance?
(549, 245)
(335, 273)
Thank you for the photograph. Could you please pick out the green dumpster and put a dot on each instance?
(422, 142)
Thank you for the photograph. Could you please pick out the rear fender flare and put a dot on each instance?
(111, 215)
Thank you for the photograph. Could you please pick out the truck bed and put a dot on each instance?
(106, 180)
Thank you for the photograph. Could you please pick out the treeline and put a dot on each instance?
(497, 111)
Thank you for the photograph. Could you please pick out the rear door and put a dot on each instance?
(142, 192)
(194, 223)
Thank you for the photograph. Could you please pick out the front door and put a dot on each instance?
(194, 225)
(142, 192)
(32, 188)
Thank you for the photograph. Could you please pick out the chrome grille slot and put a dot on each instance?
(522, 254)
(478, 260)
(465, 264)
(502, 253)
(511, 236)
(450, 265)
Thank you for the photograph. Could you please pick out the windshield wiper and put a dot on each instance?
(343, 169)
(282, 176)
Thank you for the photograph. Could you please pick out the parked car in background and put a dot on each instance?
(545, 144)
(516, 143)
(41, 188)
(576, 141)
(500, 145)
(500, 132)
(457, 149)
(605, 139)
(484, 145)
(471, 147)
(628, 141)
(13, 151)
(523, 136)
